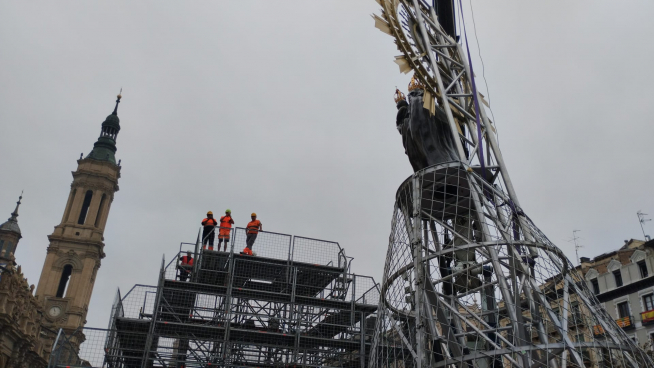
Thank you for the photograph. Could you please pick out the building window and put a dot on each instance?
(623, 309)
(97, 217)
(576, 313)
(595, 284)
(7, 248)
(85, 207)
(642, 266)
(63, 282)
(618, 278)
(648, 302)
(70, 204)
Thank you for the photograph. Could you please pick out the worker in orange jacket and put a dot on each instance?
(226, 223)
(208, 234)
(252, 231)
(185, 266)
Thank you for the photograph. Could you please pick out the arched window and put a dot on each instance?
(100, 207)
(70, 204)
(63, 282)
(85, 207)
(7, 246)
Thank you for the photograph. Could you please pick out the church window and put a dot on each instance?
(85, 207)
(7, 247)
(63, 282)
(100, 208)
(70, 204)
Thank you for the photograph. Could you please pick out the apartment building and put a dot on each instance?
(623, 281)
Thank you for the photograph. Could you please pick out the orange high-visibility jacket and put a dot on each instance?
(253, 227)
(187, 261)
(209, 222)
(225, 224)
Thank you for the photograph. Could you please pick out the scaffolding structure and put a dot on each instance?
(469, 280)
(296, 303)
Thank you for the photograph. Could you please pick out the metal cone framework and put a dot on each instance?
(469, 280)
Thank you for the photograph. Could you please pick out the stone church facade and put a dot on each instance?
(29, 322)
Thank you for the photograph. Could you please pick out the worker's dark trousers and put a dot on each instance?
(183, 274)
(250, 240)
(207, 236)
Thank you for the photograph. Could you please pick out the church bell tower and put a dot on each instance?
(77, 243)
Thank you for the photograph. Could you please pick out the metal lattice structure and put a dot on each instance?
(296, 303)
(469, 280)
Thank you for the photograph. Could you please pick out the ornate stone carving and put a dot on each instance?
(70, 258)
(21, 317)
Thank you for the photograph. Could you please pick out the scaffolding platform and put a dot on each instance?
(296, 303)
(264, 273)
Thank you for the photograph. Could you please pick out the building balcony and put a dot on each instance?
(647, 317)
(598, 330)
(625, 322)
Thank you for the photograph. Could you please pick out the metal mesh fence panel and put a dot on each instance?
(266, 244)
(315, 251)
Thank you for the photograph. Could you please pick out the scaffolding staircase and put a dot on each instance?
(304, 308)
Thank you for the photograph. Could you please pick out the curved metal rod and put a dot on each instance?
(544, 347)
(435, 254)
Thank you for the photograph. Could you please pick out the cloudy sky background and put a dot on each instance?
(286, 108)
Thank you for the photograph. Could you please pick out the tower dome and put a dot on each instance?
(104, 148)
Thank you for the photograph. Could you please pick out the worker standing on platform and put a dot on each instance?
(185, 266)
(253, 229)
(209, 224)
(226, 223)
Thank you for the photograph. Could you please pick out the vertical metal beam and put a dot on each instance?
(155, 315)
(497, 266)
(228, 306)
(439, 80)
(362, 346)
(416, 244)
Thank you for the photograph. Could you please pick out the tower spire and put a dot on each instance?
(117, 102)
(104, 148)
(14, 215)
(11, 224)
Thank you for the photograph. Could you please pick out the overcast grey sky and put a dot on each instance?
(286, 108)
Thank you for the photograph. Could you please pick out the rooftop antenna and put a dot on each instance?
(642, 220)
(577, 245)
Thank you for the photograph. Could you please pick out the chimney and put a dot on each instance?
(584, 259)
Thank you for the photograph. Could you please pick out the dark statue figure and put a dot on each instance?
(427, 139)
